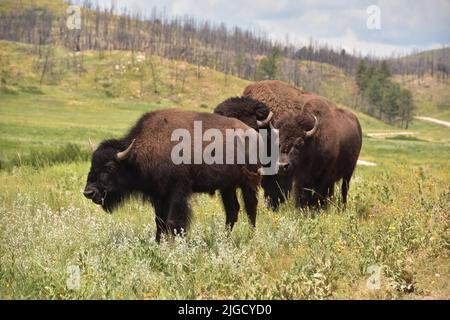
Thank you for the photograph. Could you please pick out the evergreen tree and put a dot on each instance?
(361, 76)
(268, 66)
(383, 72)
(406, 107)
(386, 99)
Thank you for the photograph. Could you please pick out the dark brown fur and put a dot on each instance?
(149, 170)
(279, 96)
(245, 109)
(325, 159)
(329, 156)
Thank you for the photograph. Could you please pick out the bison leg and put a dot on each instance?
(251, 202)
(322, 194)
(328, 194)
(344, 189)
(231, 205)
(276, 189)
(179, 211)
(303, 195)
(331, 190)
(161, 213)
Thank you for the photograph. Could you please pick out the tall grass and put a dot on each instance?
(48, 156)
(398, 222)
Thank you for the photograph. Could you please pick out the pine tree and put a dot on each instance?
(268, 66)
(361, 76)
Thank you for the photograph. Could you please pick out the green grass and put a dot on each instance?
(397, 217)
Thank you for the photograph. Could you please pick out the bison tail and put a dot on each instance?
(252, 179)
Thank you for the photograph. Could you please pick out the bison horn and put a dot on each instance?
(265, 122)
(124, 154)
(93, 145)
(313, 131)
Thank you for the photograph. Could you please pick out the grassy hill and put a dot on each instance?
(81, 91)
(55, 6)
(396, 219)
(431, 96)
(327, 80)
(423, 60)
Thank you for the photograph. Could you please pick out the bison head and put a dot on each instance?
(253, 113)
(295, 131)
(109, 176)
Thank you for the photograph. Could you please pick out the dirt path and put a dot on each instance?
(366, 163)
(437, 121)
(392, 133)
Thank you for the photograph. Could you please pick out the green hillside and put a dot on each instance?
(431, 96)
(424, 60)
(82, 95)
(396, 219)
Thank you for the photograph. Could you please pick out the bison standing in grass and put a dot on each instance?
(319, 142)
(319, 147)
(142, 163)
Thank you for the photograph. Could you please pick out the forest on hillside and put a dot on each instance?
(383, 98)
(234, 51)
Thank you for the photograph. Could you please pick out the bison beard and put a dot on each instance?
(140, 163)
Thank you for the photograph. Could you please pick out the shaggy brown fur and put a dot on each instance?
(329, 156)
(279, 96)
(292, 109)
(149, 170)
(248, 110)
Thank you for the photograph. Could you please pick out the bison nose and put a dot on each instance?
(284, 166)
(89, 193)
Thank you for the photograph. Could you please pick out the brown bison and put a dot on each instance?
(261, 103)
(319, 147)
(257, 115)
(141, 163)
(319, 127)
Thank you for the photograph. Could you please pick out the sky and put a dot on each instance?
(375, 27)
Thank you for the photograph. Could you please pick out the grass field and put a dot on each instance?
(397, 217)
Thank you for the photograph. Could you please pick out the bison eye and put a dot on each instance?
(109, 167)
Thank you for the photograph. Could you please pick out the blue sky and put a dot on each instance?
(405, 25)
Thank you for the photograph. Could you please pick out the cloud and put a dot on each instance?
(404, 24)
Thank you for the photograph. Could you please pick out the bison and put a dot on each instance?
(141, 163)
(320, 129)
(257, 115)
(319, 147)
(262, 102)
